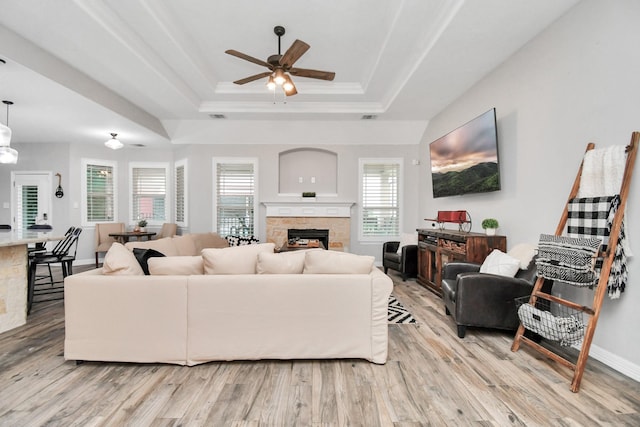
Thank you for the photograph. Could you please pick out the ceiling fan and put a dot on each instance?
(280, 66)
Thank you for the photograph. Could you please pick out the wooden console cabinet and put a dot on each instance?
(437, 247)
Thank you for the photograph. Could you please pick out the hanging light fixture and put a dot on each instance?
(7, 154)
(114, 143)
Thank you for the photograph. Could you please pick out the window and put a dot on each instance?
(181, 192)
(379, 198)
(235, 196)
(149, 188)
(99, 192)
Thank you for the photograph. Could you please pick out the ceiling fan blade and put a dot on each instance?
(252, 78)
(297, 49)
(312, 74)
(248, 58)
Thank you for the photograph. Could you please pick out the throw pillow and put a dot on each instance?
(143, 255)
(333, 262)
(407, 239)
(121, 261)
(164, 245)
(281, 263)
(234, 260)
(523, 252)
(501, 264)
(176, 266)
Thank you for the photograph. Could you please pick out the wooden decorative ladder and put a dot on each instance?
(592, 312)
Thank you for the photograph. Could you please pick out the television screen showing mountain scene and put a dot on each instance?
(466, 160)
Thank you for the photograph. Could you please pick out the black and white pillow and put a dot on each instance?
(143, 255)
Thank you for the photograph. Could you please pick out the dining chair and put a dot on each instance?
(64, 253)
(103, 240)
(168, 230)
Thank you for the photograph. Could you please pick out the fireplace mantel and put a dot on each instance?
(309, 209)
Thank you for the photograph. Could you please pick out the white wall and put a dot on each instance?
(577, 82)
(66, 159)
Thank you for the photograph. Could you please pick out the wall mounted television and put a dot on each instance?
(465, 160)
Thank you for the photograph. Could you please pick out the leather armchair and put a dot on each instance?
(481, 299)
(406, 262)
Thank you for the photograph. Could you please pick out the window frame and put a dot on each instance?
(84, 191)
(400, 208)
(185, 191)
(256, 204)
(167, 195)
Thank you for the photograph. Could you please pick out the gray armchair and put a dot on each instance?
(484, 300)
(406, 262)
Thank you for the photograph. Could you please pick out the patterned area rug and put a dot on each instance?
(397, 312)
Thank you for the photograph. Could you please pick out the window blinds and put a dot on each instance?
(27, 209)
(149, 191)
(100, 193)
(180, 184)
(380, 205)
(235, 185)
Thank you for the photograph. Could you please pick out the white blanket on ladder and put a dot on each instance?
(602, 174)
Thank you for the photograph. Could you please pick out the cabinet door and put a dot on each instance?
(423, 262)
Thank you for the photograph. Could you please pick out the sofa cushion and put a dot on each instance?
(164, 245)
(234, 260)
(143, 255)
(281, 263)
(333, 262)
(208, 240)
(176, 266)
(500, 263)
(184, 245)
(121, 261)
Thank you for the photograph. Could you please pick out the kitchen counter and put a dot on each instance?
(13, 273)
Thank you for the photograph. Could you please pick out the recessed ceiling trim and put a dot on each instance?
(109, 20)
(306, 88)
(404, 74)
(183, 43)
(297, 108)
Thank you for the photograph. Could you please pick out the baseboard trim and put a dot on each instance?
(615, 362)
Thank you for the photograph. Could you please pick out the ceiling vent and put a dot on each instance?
(217, 116)
(368, 117)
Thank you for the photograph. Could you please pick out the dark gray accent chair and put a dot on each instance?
(481, 299)
(406, 262)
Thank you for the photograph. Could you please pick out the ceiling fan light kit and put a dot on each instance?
(8, 155)
(280, 66)
(114, 143)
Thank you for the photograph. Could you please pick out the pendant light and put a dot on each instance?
(8, 155)
(114, 143)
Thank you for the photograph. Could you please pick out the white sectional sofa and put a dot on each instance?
(239, 303)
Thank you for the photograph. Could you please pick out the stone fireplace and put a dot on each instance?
(335, 217)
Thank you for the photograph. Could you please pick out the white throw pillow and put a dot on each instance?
(501, 264)
(523, 252)
(234, 260)
(407, 239)
(333, 262)
(281, 263)
(176, 265)
(120, 261)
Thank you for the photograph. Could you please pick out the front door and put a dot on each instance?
(30, 199)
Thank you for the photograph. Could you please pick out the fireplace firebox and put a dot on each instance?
(309, 233)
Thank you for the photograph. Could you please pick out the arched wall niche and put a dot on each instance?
(308, 169)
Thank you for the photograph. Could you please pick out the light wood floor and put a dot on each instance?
(431, 378)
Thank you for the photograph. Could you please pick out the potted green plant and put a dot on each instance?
(490, 225)
(141, 225)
